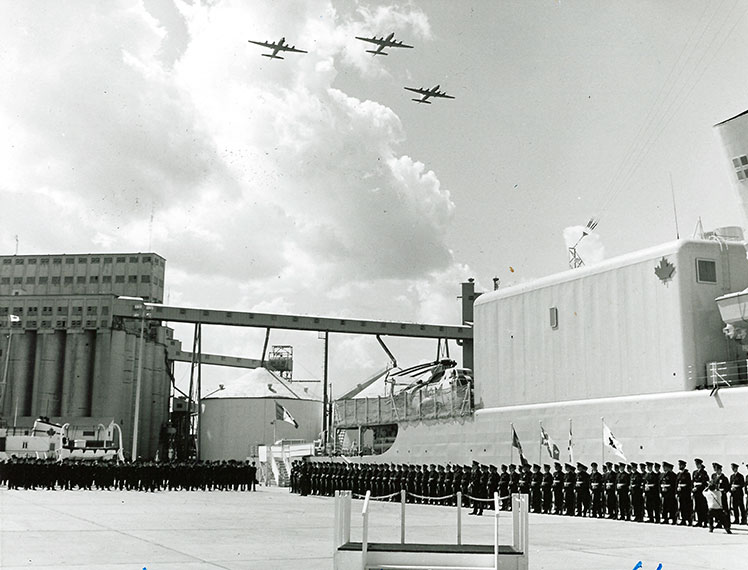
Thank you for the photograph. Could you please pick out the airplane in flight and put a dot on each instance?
(428, 93)
(280, 45)
(383, 43)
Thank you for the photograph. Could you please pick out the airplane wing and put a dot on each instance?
(420, 91)
(264, 44)
(383, 42)
(441, 94)
(374, 40)
(290, 48)
(395, 43)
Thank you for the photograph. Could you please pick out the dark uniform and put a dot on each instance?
(582, 490)
(611, 498)
(684, 487)
(570, 480)
(737, 482)
(700, 483)
(622, 489)
(547, 488)
(652, 494)
(596, 488)
(536, 489)
(668, 483)
(635, 491)
(476, 489)
(558, 490)
(504, 486)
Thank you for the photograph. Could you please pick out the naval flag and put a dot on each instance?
(549, 444)
(14, 319)
(570, 447)
(612, 442)
(282, 414)
(516, 444)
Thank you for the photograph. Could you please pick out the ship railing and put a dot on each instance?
(424, 404)
(725, 374)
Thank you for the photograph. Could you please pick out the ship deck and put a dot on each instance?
(117, 530)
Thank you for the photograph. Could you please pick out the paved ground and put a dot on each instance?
(117, 530)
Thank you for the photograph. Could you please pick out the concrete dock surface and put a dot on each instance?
(271, 528)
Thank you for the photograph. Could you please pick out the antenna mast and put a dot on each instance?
(574, 260)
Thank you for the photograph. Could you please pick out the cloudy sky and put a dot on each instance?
(313, 185)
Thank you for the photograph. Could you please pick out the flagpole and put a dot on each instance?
(511, 444)
(571, 445)
(602, 441)
(540, 444)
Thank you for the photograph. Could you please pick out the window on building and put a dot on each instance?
(45, 324)
(5, 280)
(133, 259)
(106, 279)
(32, 261)
(45, 261)
(706, 271)
(33, 310)
(145, 278)
(132, 279)
(71, 260)
(18, 310)
(62, 310)
(57, 260)
(68, 280)
(80, 279)
(55, 280)
(46, 310)
(740, 163)
(95, 260)
(90, 310)
(107, 260)
(43, 280)
(19, 261)
(121, 259)
(75, 323)
(146, 258)
(7, 261)
(93, 279)
(17, 280)
(77, 310)
(29, 281)
(119, 278)
(60, 324)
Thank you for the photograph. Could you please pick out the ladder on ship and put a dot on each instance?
(284, 480)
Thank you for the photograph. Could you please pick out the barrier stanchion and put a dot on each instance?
(365, 530)
(402, 516)
(459, 517)
(496, 530)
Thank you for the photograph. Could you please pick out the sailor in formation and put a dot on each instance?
(32, 473)
(648, 492)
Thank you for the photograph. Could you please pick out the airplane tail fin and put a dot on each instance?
(376, 52)
(271, 56)
(421, 101)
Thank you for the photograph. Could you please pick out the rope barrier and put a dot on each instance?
(377, 498)
(482, 500)
(429, 498)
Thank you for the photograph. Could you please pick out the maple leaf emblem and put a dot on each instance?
(664, 270)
